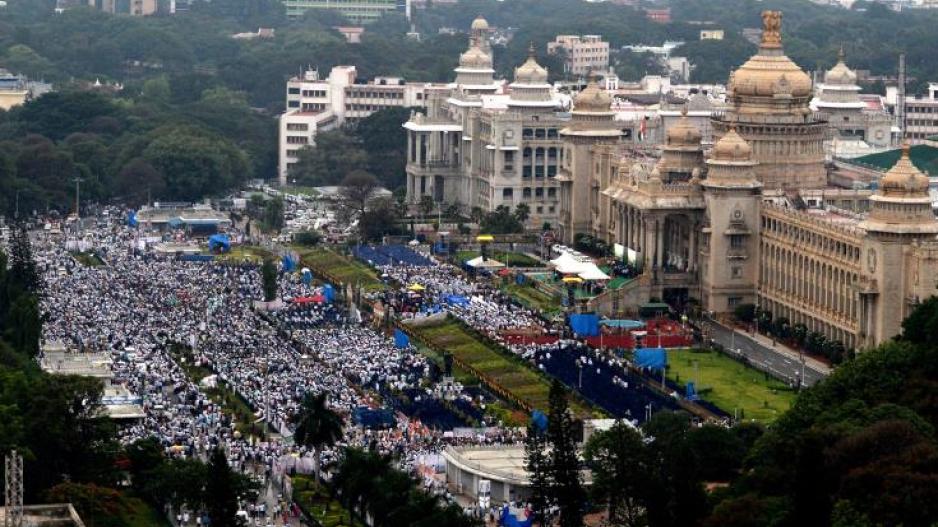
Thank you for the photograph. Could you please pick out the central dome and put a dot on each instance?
(769, 72)
(840, 73)
(683, 133)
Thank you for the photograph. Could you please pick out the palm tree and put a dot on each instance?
(316, 426)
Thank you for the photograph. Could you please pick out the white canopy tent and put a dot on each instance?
(488, 263)
(592, 272)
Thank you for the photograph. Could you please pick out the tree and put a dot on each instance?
(921, 326)
(501, 221)
(221, 493)
(335, 155)
(536, 461)
(426, 205)
(379, 220)
(317, 425)
(522, 212)
(618, 460)
(564, 466)
(273, 214)
(22, 276)
(269, 277)
(358, 187)
(745, 313)
(307, 238)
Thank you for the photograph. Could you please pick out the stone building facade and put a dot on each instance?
(753, 219)
(487, 143)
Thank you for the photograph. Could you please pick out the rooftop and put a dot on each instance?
(924, 157)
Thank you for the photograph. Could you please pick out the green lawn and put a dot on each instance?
(510, 259)
(88, 259)
(317, 503)
(240, 253)
(731, 385)
(340, 268)
(140, 514)
(512, 375)
(534, 298)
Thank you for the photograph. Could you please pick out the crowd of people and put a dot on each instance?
(157, 317)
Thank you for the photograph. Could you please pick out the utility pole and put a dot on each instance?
(900, 98)
(77, 181)
(13, 490)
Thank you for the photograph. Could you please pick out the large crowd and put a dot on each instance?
(158, 317)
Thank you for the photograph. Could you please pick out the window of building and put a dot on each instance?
(540, 133)
(293, 91)
(509, 157)
(508, 193)
(297, 127)
(539, 192)
(526, 193)
(526, 171)
(736, 272)
(293, 104)
(737, 241)
(552, 133)
(551, 193)
(540, 209)
(527, 133)
(733, 302)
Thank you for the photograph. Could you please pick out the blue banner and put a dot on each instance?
(653, 358)
(327, 291)
(308, 279)
(288, 263)
(132, 218)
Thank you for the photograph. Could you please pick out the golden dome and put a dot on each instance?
(732, 147)
(479, 24)
(683, 132)
(475, 58)
(592, 99)
(904, 179)
(531, 72)
(769, 72)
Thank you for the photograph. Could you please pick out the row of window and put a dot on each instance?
(509, 193)
(535, 133)
(297, 127)
(366, 107)
(818, 241)
(297, 140)
(370, 94)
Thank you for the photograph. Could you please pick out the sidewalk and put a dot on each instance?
(768, 342)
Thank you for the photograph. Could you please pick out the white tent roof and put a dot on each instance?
(592, 272)
(487, 264)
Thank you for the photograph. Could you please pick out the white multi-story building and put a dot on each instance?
(921, 113)
(315, 104)
(584, 54)
(484, 143)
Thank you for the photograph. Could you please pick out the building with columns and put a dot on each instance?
(486, 143)
(750, 219)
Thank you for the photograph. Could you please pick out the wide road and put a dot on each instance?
(785, 365)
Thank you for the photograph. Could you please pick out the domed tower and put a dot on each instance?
(592, 123)
(838, 99)
(530, 87)
(769, 98)
(475, 64)
(900, 216)
(682, 151)
(729, 256)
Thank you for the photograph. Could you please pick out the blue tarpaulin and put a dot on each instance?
(539, 420)
(519, 279)
(586, 325)
(308, 276)
(219, 242)
(509, 519)
(288, 263)
(456, 300)
(327, 291)
(132, 218)
(654, 358)
(401, 340)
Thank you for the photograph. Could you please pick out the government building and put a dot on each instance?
(750, 219)
(487, 143)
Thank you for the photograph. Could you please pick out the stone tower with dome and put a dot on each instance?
(769, 105)
(592, 123)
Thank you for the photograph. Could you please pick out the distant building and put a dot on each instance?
(858, 127)
(583, 54)
(662, 16)
(117, 7)
(262, 32)
(17, 89)
(315, 105)
(358, 11)
(352, 34)
(711, 34)
(921, 113)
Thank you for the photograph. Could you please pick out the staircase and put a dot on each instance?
(624, 300)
